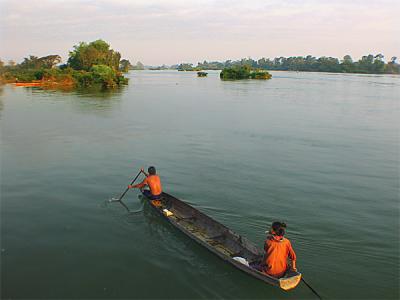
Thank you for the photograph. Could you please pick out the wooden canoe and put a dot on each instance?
(29, 84)
(219, 239)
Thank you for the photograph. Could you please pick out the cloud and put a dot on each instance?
(156, 31)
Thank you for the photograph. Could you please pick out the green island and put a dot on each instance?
(202, 74)
(243, 72)
(89, 64)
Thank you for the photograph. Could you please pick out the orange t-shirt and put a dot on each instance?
(276, 255)
(154, 183)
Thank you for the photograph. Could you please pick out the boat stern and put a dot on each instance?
(290, 281)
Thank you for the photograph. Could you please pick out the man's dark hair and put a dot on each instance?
(152, 170)
(279, 228)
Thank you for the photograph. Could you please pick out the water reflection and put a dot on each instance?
(89, 92)
(100, 93)
(87, 100)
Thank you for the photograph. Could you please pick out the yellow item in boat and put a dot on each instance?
(167, 213)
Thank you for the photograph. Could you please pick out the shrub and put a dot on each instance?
(83, 78)
(235, 72)
(26, 75)
(243, 72)
(260, 74)
(105, 75)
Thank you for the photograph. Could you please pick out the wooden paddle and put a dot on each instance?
(314, 291)
(123, 194)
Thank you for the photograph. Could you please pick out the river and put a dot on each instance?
(319, 151)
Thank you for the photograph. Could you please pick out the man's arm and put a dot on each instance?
(292, 256)
(139, 185)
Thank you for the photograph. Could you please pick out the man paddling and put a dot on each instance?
(153, 181)
(277, 251)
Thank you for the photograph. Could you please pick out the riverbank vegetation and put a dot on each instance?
(88, 64)
(369, 64)
(243, 72)
(187, 67)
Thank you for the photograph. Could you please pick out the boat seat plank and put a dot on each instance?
(218, 237)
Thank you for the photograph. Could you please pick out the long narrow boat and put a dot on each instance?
(28, 84)
(220, 240)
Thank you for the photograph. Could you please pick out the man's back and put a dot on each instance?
(154, 183)
(276, 255)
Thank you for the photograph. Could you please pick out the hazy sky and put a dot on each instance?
(172, 31)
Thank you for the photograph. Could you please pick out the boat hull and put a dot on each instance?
(28, 84)
(219, 239)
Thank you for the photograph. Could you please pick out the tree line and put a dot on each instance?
(368, 64)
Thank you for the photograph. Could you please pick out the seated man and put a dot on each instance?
(277, 251)
(153, 181)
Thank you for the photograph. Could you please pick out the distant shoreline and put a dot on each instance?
(368, 64)
(395, 74)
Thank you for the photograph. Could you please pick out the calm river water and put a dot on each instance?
(319, 151)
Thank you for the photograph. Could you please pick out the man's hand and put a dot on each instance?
(294, 266)
(142, 170)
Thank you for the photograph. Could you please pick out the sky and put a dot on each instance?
(159, 32)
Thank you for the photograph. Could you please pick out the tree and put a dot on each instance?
(31, 62)
(328, 64)
(185, 67)
(379, 64)
(347, 64)
(347, 59)
(84, 56)
(392, 67)
(34, 62)
(50, 61)
(11, 63)
(365, 64)
(124, 65)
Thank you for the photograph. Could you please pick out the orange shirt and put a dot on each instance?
(154, 183)
(277, 252)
